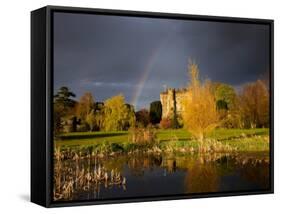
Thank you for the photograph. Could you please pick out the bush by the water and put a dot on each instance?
(142, 135)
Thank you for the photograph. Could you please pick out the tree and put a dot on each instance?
(221, 105)
(58, 114)
(130, 117)
(85, 106)
(254, 102)
(142, 117)
(175, 122)
(200, 116)
(155, 112)
(63, 106)
(64, 98)
(227, 105)
(118, 115)
(99, 116)
(225, 95)
(91, 120)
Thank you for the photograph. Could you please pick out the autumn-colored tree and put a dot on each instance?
(117, 115)
(91, 120)
(98, 116)
(254, 103)
(85, 106)
(200, 116)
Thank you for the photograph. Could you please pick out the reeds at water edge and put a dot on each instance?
(71, 178)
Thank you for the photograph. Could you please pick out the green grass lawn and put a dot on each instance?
(91, 138)
(179, 139)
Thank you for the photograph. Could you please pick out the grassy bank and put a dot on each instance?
(220, 140)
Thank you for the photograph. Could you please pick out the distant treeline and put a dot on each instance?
(211, 105)
(87, 115)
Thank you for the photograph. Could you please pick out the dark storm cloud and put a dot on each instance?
(137, 57)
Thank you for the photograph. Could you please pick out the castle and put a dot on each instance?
(173, 99)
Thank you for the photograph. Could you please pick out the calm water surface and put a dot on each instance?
(159, 175)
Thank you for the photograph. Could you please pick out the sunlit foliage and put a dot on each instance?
(117, 115)
(254, 104)
(200, 116)
(85, 106)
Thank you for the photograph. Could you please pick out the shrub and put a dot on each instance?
(166, 123)
(142, 135)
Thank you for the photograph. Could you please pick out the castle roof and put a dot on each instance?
(177, 90)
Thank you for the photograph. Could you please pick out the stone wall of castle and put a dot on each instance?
(173, 97)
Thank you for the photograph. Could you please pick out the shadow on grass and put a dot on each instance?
(178, 139)
(91, 136)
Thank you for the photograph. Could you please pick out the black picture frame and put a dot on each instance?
(42, 96)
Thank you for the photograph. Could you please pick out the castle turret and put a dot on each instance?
(173, 98)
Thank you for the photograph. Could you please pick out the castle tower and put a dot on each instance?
(166, 99)
(173, 98)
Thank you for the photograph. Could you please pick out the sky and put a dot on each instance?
(139, 57)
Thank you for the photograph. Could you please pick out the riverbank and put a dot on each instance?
(112, 143)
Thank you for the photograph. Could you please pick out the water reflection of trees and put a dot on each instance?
(202, 178)
(205, 174)
(140, 163)
(259, 174)
(203, 171)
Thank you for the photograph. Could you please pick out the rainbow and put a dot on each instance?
(147, 70)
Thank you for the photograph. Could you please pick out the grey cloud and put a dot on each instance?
(108, 55)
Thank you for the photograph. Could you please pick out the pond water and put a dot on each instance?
(151, 175)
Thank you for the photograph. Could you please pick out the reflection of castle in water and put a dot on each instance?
(172, 99)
